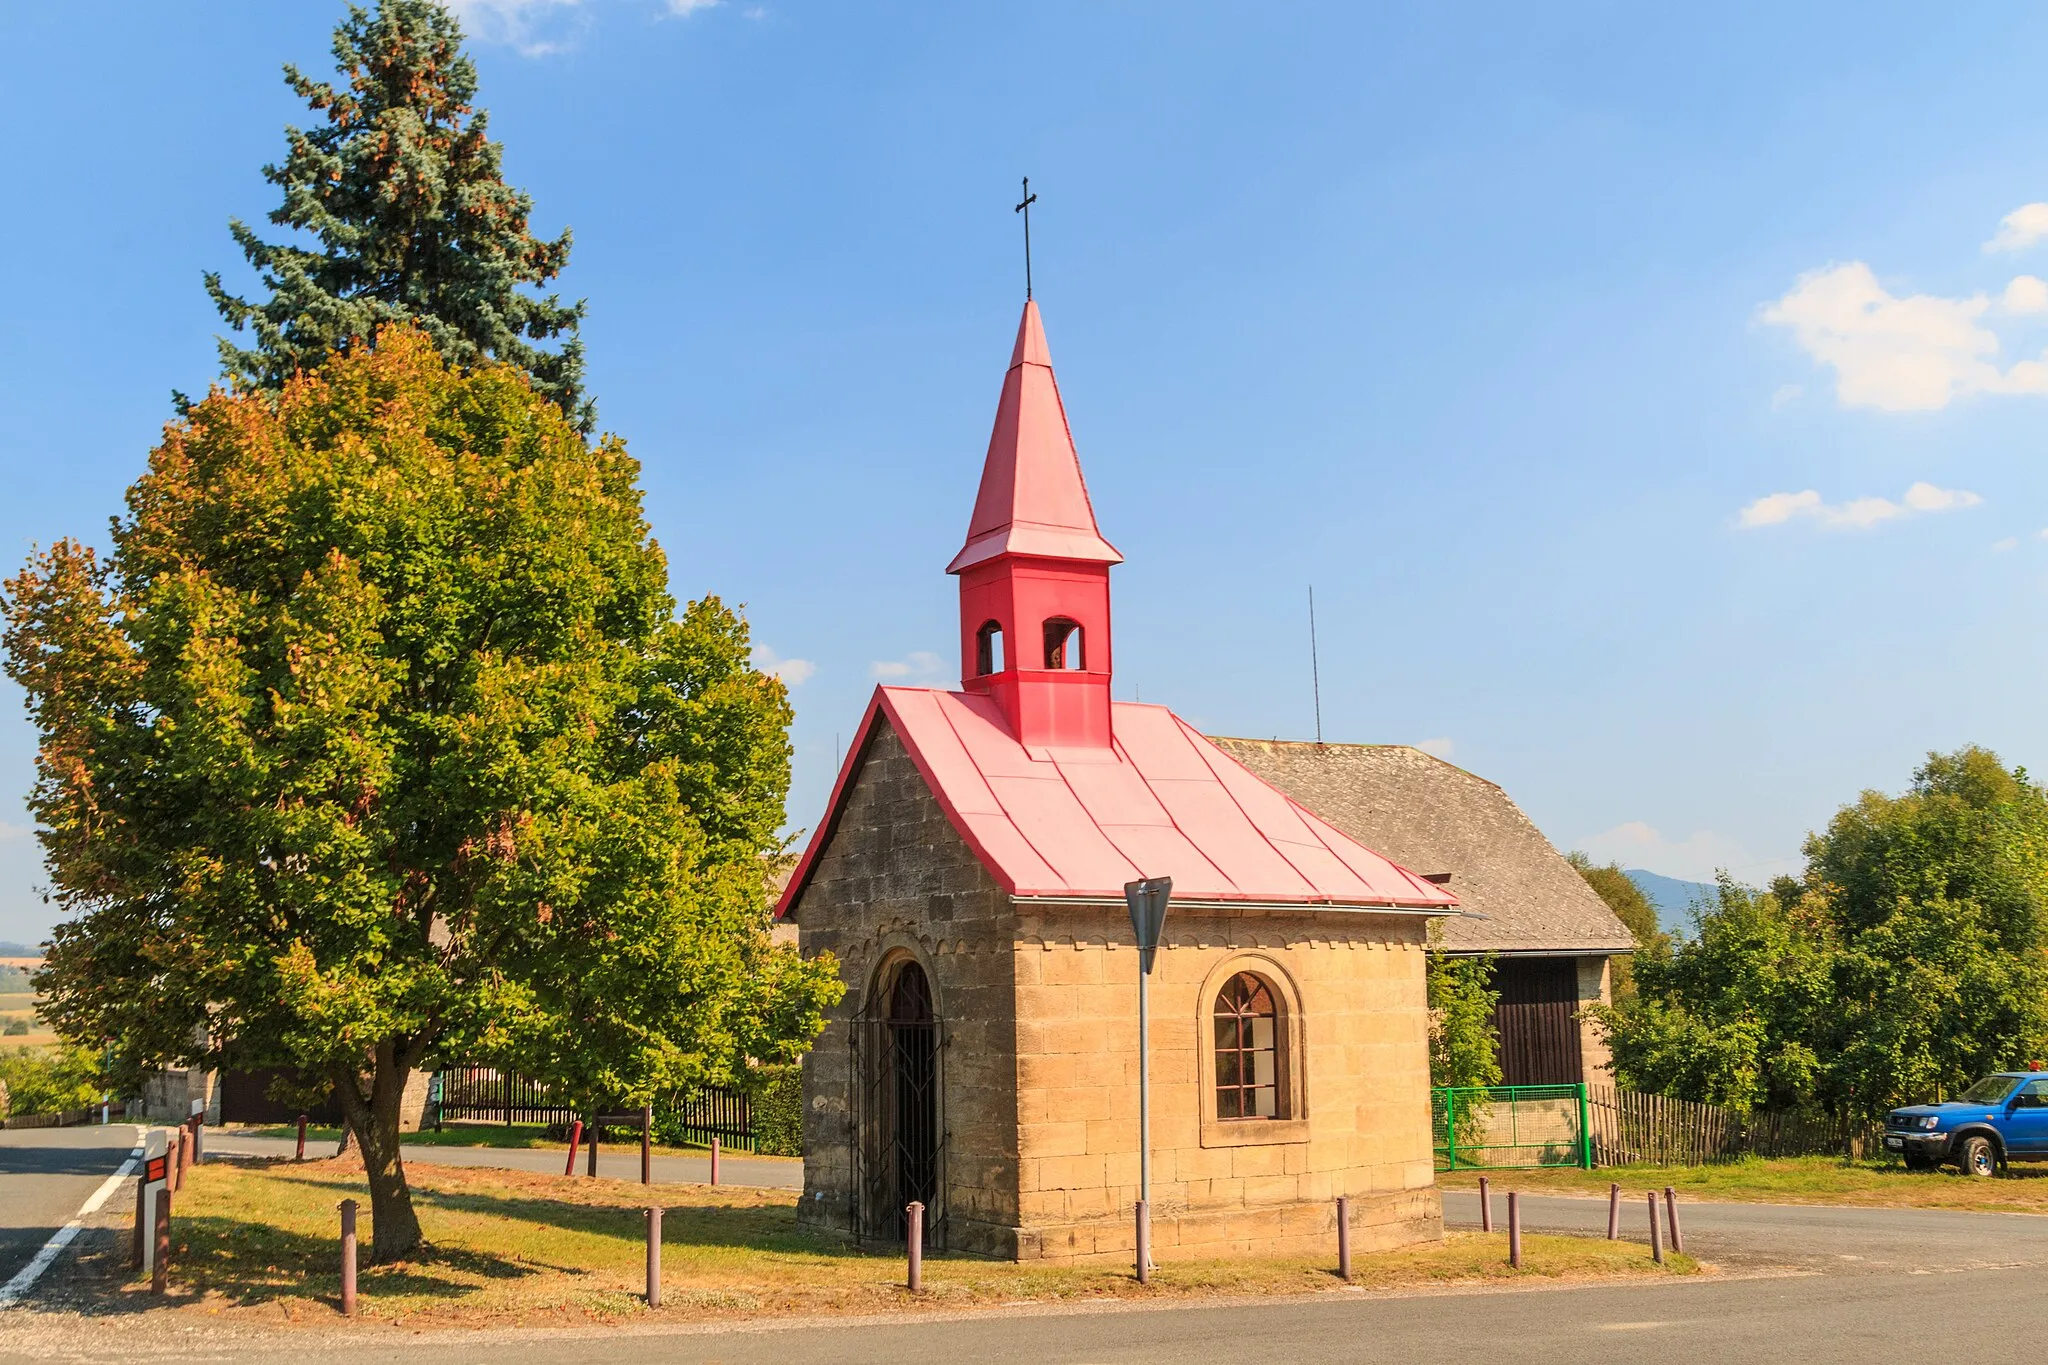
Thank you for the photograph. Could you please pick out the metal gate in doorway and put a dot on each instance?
(899, 1133)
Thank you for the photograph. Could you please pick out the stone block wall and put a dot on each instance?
(1595, 988)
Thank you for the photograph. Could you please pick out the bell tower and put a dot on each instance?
(1034, 573)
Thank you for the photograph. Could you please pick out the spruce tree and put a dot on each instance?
(414, 222)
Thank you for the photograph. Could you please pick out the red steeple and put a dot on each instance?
(1034, 573)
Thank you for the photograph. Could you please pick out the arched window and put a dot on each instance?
(1063, 644)
(988, 649)
(1248, 1050)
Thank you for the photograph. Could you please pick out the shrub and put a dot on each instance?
(49, 1080)
(779, 1111)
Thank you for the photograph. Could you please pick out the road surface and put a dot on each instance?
(45, 1175)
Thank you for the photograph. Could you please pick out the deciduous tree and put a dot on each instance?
(378, 739)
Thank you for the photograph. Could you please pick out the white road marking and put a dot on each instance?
(24, 1279)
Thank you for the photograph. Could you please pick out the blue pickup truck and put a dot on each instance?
(1999, 1119)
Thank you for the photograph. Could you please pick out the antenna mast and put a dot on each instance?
(1315, 671)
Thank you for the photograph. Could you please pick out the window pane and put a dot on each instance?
(1265, 1102)
(1229, 1067)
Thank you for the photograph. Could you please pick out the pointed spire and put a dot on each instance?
(1033, 500)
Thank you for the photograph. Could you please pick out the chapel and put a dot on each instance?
(968, 875)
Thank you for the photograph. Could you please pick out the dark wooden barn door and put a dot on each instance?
(1536, 1021)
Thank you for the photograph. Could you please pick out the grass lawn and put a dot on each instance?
(1797, 1180)
(497, 1135)
(258, 1242)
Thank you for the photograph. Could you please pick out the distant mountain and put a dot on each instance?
(1673, 898)
(12, 949)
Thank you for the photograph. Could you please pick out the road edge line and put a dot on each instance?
(25, 1279)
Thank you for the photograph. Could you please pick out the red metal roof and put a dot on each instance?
(1160, 801)
(1033, 500)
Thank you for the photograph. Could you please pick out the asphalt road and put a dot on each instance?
(45, 1175)
(616, 1161)
(1799, 1283)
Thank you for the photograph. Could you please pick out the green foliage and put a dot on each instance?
(13, 979)
(1631, 907)
(779, 1111)
(16, 1026)
(49, 1080)
(1906, 962)
(379, 740)
(411, 220)
(1462, 1047)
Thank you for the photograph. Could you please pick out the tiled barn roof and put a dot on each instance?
(1435, 817)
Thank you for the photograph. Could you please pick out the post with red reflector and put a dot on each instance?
(1147, 900)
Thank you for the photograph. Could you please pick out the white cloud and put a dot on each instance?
(1911, 354)
(1787, 393)
(793, 672)
(2025, 294)
(1694, 858)
(1775, 509)
(533, 27)
(1438, 748)
(685, 8)
(919, 663)
(2001, 546)
(2020, 229)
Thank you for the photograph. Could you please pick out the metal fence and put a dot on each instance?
(480, 1092)
(1510, 1125)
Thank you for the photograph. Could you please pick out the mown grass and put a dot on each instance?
(509, 1247)
(1795, 1180)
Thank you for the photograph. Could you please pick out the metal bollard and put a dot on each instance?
(1514, 1230)
(1343, 1238)
(1613, 1212)
(575, 1136)
(593, 1132)
(647, 1144)
(913, 1219)
(301, 1156)
(1142, 1212)
(1656, 1233)
(160, 1271)
(714, 1161)
(1485, 1205)
(1671, 1215)
(348, 1258)
(198, 1140)
(654, 1258)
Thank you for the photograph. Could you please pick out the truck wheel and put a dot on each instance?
(1977, 1157)
(1920, 1161)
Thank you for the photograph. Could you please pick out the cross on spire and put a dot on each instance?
(1025, 209)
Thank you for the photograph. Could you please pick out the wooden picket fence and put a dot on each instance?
(1630, 1127)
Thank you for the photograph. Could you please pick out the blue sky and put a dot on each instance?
(1654, 398)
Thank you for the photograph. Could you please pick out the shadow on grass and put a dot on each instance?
(771, 1228)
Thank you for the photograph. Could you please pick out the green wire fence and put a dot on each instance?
(1511, 1125)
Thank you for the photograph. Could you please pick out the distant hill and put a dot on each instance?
(9, 948)
(1673, 898)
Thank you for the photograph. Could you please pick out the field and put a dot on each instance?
(1798, 1180)
(257, 1241)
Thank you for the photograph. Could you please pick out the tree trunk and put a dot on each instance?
(394, 1227)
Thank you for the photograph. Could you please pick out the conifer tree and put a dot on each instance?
(402, 191)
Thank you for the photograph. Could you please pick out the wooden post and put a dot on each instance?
(654, 1258)
(714, 1161)
(301, 1154)
(1656, 1233)
(647, 1144)
(1343, 1239)
(1613, 1212)
(575, 1136)
(1485, 1205)
(1671, 1215)
(913, 1218)
(141, 1215)
(1143, 1212)
(160, 1268)
(348, 1258)
(199, 1139)
(596, 1126)
(1514, 1229)
(182, 1158)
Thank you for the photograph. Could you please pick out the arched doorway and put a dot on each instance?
(901, 1135)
